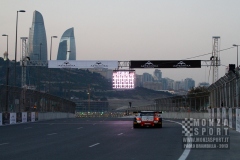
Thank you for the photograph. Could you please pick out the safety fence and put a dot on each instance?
(225, 91)
(15, 99)
(184, 103)
(226, 116)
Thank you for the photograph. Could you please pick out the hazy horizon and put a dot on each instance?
(133, 30)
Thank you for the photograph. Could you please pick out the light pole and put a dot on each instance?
(7, 75)
(50, 60)
(235, 45)
(67, 55)
(51, 47)
(16, 48)
(89, 92)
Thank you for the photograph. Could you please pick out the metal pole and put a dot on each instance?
(51, 48)
(7, 75)
(50, 60)
(16, 48)
(237, 56)
(15, 52)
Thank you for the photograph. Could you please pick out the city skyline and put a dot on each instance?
(134, 30)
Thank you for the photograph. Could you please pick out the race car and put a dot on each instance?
(148, 119)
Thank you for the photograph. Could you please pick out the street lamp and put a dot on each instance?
(235, 45)
(67, 56)
(51, 47)
(7, 75)
(89, 92)
(16, 48)
(50, 60)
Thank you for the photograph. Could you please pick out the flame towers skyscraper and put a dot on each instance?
(37, 38)
(67, 48)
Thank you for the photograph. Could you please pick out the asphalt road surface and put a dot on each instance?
(102, 139)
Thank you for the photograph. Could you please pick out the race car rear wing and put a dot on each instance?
(160, 112)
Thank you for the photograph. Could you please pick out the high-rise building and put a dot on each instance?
(37, 38)
(67, 48)
(146, 77)
(158, 74)
(189, 83)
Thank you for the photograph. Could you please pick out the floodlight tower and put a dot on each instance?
(24, 60)
(215, 58)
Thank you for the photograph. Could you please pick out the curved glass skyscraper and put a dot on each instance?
(37, 38)
(67, 48)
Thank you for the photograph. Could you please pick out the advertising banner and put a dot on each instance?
(238, 120)
(224, 116)
(83, 64)
(230, 117)
(13, 118)
(166, 64)
(19, 117)
(32, 116)
(1, 119)
(6, 118)
(24, 117)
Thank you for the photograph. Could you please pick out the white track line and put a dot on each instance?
(120, 134)
(186, 150)
(94, 145)
(80, 128)
(51, 134)
(3, 144)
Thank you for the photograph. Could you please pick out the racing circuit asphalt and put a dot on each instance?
(102, 139)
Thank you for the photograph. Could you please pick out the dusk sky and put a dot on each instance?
(127, 30)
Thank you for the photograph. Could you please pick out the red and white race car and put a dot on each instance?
(147, 118)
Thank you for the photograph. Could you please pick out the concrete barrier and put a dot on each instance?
(54, 115)
(182, 115)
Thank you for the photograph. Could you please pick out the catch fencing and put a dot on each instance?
(15, 99)
(184, 103)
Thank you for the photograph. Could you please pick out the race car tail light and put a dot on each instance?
(138, 119)
(156, 119)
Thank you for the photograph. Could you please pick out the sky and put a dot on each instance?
(127, 30)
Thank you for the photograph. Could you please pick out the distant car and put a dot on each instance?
(148, 119)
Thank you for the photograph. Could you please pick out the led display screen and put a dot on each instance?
(123, 79)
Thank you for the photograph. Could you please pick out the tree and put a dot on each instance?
(198, 98)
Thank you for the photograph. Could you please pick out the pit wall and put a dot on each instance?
(54, 115)
(7, 118)
(182, 115)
